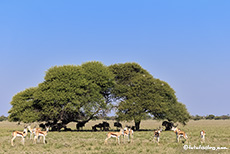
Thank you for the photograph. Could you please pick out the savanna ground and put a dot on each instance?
(218, 135)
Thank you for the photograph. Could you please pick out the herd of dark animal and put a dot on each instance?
(104, 126)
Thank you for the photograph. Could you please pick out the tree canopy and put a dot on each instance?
(73, 93)
(22, 107)
(68, 94)
(140, 94)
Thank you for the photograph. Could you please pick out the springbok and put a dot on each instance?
(115, 134)
(157, 135)
(41, 133)
(129, 133)
(33, 131)
(20, 134)
(202, 135)
(179, 134)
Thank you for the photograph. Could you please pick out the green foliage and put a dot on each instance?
(101, 82)
(223, 117)
(130, 90)
(73, 93)
(211, 116)
(22, 106)
(178, 113)
(69, 93)
(196, 117)
(3, 118)
(138, 94)
(61, 92)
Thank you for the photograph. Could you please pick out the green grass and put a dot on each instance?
(93, 142)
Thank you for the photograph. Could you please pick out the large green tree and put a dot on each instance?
(68, 94)
(77, 93)
(139, 94)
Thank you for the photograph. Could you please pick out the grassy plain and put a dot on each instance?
(88, 142)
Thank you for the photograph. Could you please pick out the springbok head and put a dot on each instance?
(174, 127)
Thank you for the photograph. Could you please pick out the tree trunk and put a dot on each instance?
(137, 125)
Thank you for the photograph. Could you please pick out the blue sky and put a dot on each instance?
(185, 43)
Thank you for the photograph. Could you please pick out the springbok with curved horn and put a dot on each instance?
(20, 134)
(179, 134)
(41, 133)
(202, 135)
(129, 133)
(116, 135)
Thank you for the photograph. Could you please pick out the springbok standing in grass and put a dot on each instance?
(129, 133)
(179, 134)
(202, 135)
(157, 135)
(39, 133)
(115, 134)
(33, 131)
(20, 134)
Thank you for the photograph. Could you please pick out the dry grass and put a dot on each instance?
(93, 142)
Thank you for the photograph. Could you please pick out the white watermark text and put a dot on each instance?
(201, 147)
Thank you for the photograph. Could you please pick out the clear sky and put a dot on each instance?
(185, 43)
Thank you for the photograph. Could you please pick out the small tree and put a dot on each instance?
(3, 118)
(197, 117)
(217, 118)
(211, 116)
